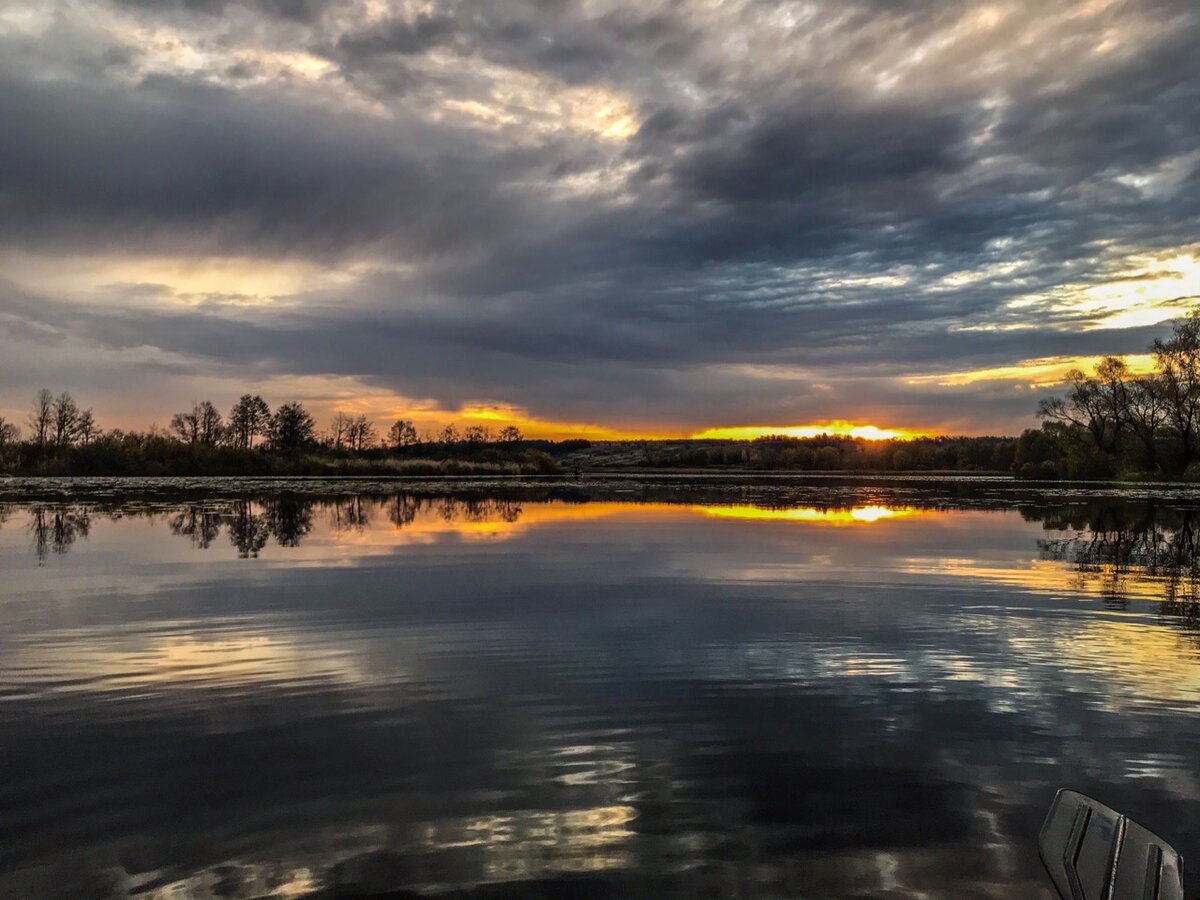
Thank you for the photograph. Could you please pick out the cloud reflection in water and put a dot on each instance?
(274, 696)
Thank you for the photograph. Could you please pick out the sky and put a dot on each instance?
(599, 218)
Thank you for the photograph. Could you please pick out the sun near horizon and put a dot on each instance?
(837, 428)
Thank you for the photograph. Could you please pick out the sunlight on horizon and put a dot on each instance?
(837, 428)
(1034, 373)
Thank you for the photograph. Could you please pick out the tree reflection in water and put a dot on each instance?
(1120, 550)
(249, 530)
(251, 524)
(1130, 551)
(200, 523)
(289, 518)
(56, 528)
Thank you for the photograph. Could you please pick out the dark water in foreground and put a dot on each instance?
(874, 696)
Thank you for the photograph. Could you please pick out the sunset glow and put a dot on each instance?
(504, 214)
(436, 520)
(859, 515)
(836, 428)
(630, 448)
(1035, 373)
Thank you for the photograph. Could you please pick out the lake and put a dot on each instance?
(661, 689)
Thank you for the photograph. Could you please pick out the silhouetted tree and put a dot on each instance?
(1178, 362)
(361, 434)
(476, 434)
(339, 430)
(1116, 421)
(510, 434)
(9, 433)
(211, 424)
(449, 434)
(86, 429)
(402, 434)
(292, 428)
(202, 424)
(1085, 407)
(186, 425)
(42, 417)
(64, 420)
(1145, 413)
(249, 418)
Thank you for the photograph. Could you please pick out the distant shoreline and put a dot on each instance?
(769, 489)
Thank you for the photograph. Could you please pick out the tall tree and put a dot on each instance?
(339, 430)
(87, 430)
(1117, 420)
(65, 420)
(210, 424)
(186, 425)
(41, 417)
(511, 434)
(1178, 361)
(249, 418)
(1084, 407)
(292, 428)
(402, 434)
(1145, 412)
(361, 434)
(9, 433)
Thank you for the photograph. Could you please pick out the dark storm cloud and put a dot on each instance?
(548, 36)
(847, 192)
(299, 10)
(402, 36)
(183, 166)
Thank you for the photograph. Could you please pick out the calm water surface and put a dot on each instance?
(866, 694)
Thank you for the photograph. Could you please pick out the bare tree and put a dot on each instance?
(449, 434)
(64, 420)
(86, 429)
(202, 424)
(362, 434)
(1178, 362)
(1084, 406)
(339, 430)
(402, 434)
(186, 425)
(1146, 411)
(511, 434)
(210, 425)
(476, 434)
(9, 433)
(1113, 379)
(42, 417)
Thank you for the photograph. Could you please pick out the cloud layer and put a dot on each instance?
(652, 216)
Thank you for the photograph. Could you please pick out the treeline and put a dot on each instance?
(63, 439)
(1121, 424)
(831, 453)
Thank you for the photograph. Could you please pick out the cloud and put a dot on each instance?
(623, 214)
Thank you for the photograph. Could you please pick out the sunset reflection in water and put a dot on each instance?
(278, 696)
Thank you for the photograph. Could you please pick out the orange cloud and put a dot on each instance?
(1041, 372)
(839, 427)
